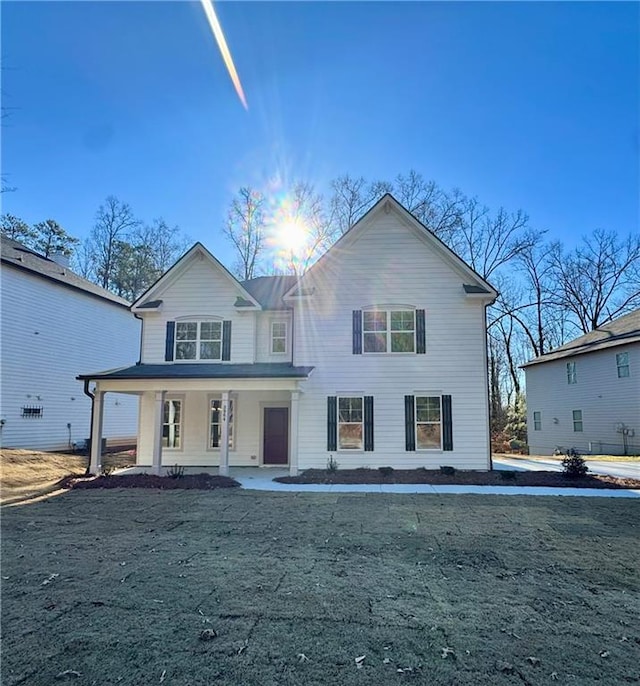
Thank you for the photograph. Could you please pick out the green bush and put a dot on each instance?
(385, 471)
(175, 472)
(573, 464)
(332, 465)
(448, 470)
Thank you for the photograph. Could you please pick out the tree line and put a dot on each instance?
(122, 253)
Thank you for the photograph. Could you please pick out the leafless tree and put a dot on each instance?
(114, 223)
(351, 198)
(245, 228)
(599, 280)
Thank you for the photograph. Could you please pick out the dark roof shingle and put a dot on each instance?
(268, 290)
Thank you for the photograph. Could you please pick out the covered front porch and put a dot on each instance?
(244, 417)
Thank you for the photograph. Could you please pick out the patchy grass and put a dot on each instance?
(119, 586)
(28, 473)
(432, 476)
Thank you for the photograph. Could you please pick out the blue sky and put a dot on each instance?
(525, 105)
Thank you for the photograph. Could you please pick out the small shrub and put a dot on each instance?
(508, 474)
(385, 471)
(175, 472)
(332, 465)
(573, 464)
(447, 469)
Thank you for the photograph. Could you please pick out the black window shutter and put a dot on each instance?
(226, 340)
(447, 423)
(332, 423)
(168, 347)
(368, 423)
(409, 423)
(421, 343)
(357, 332)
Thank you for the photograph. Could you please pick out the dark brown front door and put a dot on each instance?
(276, 435)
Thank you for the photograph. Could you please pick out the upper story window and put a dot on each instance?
(201, 340)
(572, 375)
(389, 331)
(278, 338)
(622, 362)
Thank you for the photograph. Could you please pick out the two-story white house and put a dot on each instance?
(376, 356)
(586, 394)
(53, 323)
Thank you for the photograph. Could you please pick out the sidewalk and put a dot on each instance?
(256, 479)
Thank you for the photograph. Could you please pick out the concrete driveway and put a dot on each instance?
(628, 469)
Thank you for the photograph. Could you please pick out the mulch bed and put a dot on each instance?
(468, 478)
(188, 482)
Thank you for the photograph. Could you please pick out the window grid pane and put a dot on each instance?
(577, 420)
(171, 422)
(537, 421)
(572, 376)
(428, 423)
(215, 423)
(622, 362)
(198, 340)
(385, 331)
(350, 423)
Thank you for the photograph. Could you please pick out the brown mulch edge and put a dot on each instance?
(186, 482)
(466, 478)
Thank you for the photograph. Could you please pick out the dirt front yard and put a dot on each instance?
(117, 587)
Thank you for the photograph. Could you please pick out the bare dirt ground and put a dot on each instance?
(117, 587)
(27, 474)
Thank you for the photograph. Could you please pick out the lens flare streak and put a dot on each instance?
(207, 5)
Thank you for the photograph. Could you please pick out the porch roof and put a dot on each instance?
(260, 370)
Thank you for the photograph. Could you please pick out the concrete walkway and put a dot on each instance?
(256, 479)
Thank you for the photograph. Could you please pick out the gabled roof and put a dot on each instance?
(196, 250)
(473, 282)
(269, 290)
(198, 370)
(21, 257)
(620, 331)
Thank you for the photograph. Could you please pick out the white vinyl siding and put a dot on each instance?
(49, 335)
(605, 400)
(200, 293)
(454, 359)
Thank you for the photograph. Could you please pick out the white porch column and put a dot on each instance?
(95, 466)
(157, 433)
(223, 469)
(293, 434)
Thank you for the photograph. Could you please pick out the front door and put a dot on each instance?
(276, 435)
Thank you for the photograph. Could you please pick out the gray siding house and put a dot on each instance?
(586, 394)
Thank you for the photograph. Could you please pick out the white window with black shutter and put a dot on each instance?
(198, 340)
(350, 423)
(388, 329)
(428, 422)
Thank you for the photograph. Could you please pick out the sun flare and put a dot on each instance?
(291, 236)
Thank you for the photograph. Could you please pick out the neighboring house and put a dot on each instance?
(375, 356)
(586, 394)
(54, 322)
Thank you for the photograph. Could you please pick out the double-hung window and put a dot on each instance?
(215, 422)
(385, 331)
(428, 423)
(278, 338)
(577, 420)
(572, 374)
(537, 421)
(198, 340)
(172, 424)
(350, 423)
(622, 362)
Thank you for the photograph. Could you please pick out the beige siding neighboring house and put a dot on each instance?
(55, 323)
(375, 357)
(586, 394)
